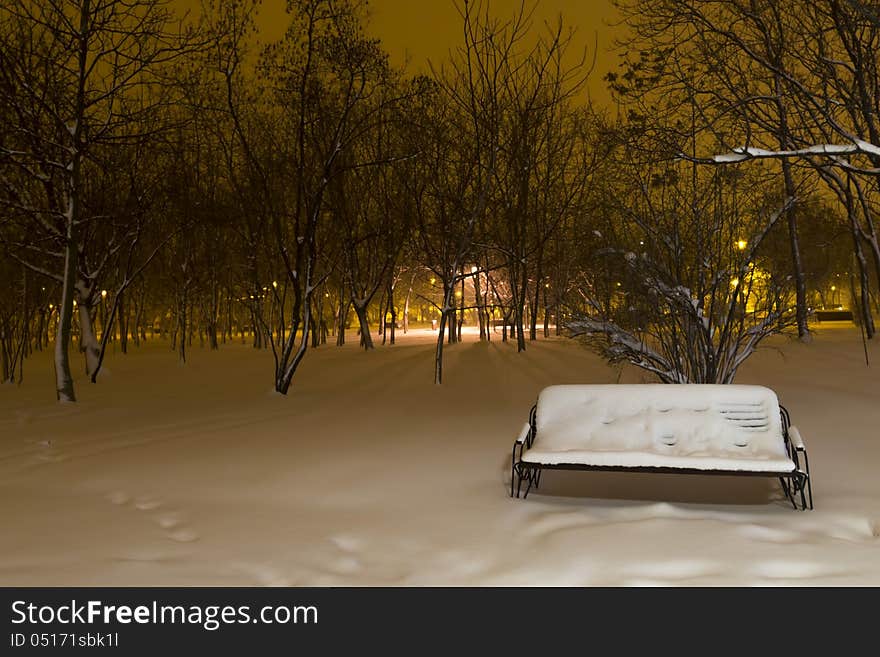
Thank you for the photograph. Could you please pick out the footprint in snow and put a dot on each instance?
(172, 522)
(183, 535)
(119, 497)
(265, 575)
(168, 520)
(347, 543)
(146, 504)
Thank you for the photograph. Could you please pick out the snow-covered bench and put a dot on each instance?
(696, 429)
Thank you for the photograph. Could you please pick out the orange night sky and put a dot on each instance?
(416, 31)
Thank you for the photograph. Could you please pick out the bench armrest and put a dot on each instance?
(796, 440)
(524, 434)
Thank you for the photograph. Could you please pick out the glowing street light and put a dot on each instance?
(741, 245)
(275, 284)
(103, 294)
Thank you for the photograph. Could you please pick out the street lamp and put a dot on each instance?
(741, 245)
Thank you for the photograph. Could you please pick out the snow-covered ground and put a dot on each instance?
(368, 474)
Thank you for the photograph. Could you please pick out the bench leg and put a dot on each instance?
(512, 469)
(519, 479)
(803, 482)
(786, 486)
(798, 486)
(531, 476)
(516, 471)
(809, 481)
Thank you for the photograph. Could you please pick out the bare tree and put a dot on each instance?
(77, 76)
(680, 295)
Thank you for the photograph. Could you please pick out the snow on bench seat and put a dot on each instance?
(700, 426)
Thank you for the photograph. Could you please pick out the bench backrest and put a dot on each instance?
(699, 419)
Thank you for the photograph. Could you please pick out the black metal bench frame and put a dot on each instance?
(795, 484)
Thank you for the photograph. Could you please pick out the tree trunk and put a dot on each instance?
(864, 301)
(791, 216)
(461, 309)
(139, 330)
(406, 305)
(5, 351)
(533, 323)
(88, 339)
(438, 352)
(360, 310)
(393, 311)
(341, 317)
(450, 310)
(546, 315)
(181, 328)
(478, 302)
(123, 312)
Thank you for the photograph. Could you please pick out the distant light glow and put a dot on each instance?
(741, 245)
(103, 294)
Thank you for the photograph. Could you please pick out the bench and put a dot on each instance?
(834, 316)
(683, 429)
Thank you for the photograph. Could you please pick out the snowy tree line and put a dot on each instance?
(794, 82)
(166, 174)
